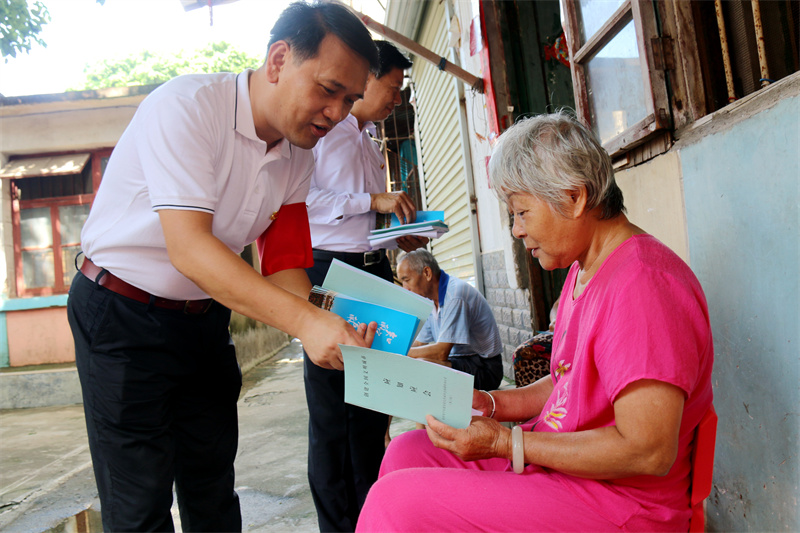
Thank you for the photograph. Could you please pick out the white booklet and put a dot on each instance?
(405, 387)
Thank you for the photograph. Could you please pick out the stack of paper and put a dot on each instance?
(428, 224)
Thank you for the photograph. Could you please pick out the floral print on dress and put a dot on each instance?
(562, 369)
(558, 411)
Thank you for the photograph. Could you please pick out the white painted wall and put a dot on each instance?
(494, 234)
(492, 215)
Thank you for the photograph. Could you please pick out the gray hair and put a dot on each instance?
(551, 155)
(419, 259)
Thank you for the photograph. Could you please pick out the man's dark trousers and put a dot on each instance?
(159, 390)
(345, 442)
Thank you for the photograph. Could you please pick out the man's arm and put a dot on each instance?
(438, 351)
(328, 207)
(203, 258)
(294, 280)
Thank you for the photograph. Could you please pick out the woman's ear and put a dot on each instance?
(277, 57)
(576, 201)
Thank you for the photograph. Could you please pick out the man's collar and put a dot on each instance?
(444, 279)
(244, 110)
(368, 125)
(244, 123)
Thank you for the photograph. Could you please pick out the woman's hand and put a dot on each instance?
(483, 439)
(482, 402)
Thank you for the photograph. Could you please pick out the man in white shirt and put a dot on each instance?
(346, 442)
(205, 166)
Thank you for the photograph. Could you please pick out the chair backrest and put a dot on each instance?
(702, 468)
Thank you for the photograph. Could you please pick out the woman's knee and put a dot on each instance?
(393, 503)
(406, 451)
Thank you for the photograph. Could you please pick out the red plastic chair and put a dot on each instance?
(702, 468)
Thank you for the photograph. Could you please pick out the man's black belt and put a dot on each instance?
(352, 258)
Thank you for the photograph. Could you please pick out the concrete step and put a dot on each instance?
(42, 387)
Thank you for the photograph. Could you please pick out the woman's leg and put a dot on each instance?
(422, 488)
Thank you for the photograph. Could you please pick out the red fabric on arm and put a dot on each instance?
(286, 243)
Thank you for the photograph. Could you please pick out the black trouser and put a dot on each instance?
(345, 442)
(488, 371)
(159, 392)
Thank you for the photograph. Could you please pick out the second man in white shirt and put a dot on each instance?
(346, 443)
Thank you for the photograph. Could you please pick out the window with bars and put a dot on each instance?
(399, 148)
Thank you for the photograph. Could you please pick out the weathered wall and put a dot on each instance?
(741, 183)
(492, 233)
(255, 342)
(39, 336)
(654, 199)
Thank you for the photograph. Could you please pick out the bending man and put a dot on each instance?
(205, 166)
(346, 442)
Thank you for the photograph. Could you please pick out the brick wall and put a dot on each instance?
(511, 307)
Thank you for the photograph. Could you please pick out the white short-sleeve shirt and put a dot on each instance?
(191, 145)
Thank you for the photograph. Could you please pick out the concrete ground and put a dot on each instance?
(47, 484)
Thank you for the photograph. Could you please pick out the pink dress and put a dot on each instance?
(642, 316)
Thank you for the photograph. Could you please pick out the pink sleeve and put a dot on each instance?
(656, 329)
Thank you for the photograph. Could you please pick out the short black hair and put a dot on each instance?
(390, 58)
(304, 25)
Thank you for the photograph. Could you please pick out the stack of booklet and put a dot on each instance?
(382, 378)
(429, 224)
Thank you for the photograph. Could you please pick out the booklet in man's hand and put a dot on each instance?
(354, 283)
(396, 329)
(429, 224)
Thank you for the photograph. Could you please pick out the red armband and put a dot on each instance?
(286, 243)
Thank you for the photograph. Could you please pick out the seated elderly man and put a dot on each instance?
(461, 331)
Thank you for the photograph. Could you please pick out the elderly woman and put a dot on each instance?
(609, 439)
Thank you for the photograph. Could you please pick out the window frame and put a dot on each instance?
(54, 203)
(643, 15)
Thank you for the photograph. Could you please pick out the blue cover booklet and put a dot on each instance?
(422, 216)
(428, 224)
(361, 298)
(357, 284)
(396, 329)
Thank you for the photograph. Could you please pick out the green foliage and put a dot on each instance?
(20, 26)
(148, 68)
